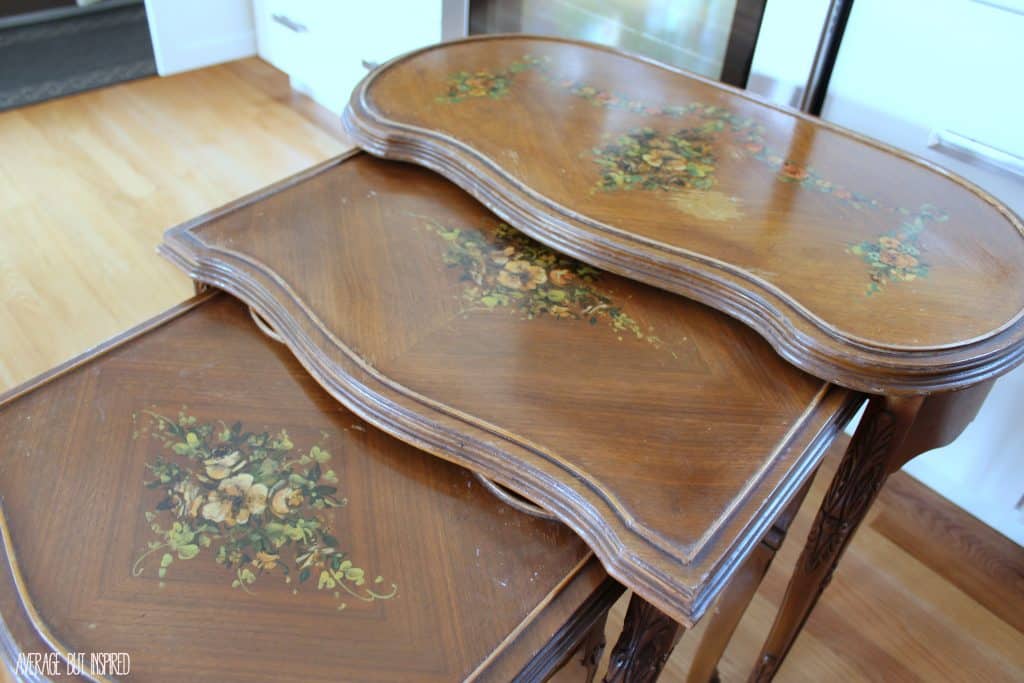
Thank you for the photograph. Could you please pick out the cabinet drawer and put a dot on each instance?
(284, 33)
(323, 45)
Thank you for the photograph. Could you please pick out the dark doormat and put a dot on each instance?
(42, 61)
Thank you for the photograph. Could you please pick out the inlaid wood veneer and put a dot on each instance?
(189, 496)
(667, 435)
(858, 263)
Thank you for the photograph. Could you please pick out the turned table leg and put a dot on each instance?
(873, 453)
(737, 596)
(647, 639)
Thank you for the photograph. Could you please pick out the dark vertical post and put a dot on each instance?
(813, 98)
(739, 52)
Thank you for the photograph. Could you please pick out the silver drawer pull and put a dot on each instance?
(512, 500)
(289, 24)
(264, 326)
(948, 141)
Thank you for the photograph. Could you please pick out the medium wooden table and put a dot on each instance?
(670, 437)
(861, 265)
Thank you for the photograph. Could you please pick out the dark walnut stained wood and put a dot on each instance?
(860, 264)
(468, 586)
(666, 434)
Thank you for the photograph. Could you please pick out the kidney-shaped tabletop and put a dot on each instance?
(664, 433)
(859, 264)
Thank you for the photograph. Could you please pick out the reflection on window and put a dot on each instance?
(689, 34)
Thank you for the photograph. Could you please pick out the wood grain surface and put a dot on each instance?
(434, 580)
(859, 264)
(666, 434)
(972, 556)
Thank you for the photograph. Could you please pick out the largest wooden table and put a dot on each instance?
(859, 264)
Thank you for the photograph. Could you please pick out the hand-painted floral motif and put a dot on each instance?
(790, 171)
(746, 133)
(252, 500)
(464, 85)
(896, 256)
(652, 160)
(647, 159)
(508, 270)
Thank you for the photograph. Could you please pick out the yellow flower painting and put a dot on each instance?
(505, 269)
(251, 500)
(685, 158)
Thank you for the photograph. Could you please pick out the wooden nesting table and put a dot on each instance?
(187, 499)
(863, 266)
(670, 437)
(650, 308)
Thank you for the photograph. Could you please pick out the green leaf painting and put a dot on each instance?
(686, 158)
(252, 501)
(508, 270)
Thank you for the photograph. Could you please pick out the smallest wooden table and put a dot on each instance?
(188, 496)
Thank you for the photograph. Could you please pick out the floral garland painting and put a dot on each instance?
(685, 159)
(511, 271)
(896, 256)
(254, 502)
(465, 85)
(647, 159)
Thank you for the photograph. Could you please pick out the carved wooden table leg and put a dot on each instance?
(737, 596)
(592, 647)
(864, 468)
(892, 431)
(647, 639)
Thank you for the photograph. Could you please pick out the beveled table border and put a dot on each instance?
(797, 335)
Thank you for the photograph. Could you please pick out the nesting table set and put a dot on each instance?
(635, 307)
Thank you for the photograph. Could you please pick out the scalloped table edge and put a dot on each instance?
(797, 335)
(679, 581)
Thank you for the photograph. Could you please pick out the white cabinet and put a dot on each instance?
(191, 34)
(906, 70)
(282, 33)
(323, 45)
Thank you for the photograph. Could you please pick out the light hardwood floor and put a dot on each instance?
(88, 184)
(925, 593)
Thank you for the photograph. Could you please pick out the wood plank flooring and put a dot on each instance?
(88, 183)
(925, 593)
